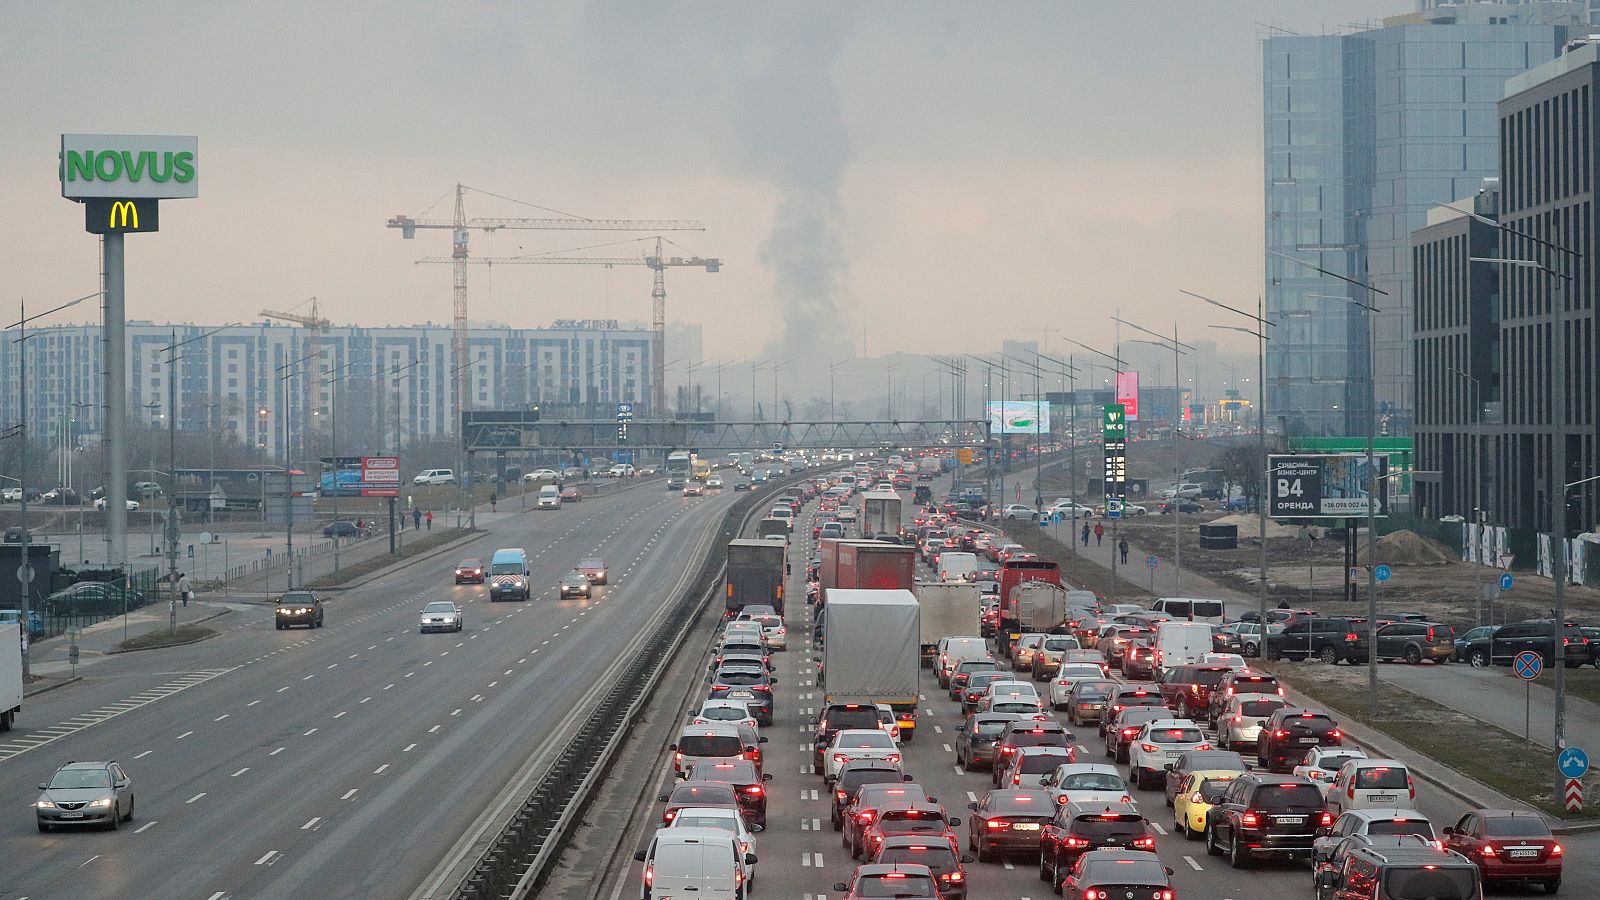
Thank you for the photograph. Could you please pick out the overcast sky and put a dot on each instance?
(934, 176)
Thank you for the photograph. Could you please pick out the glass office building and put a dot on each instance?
(1363, 134)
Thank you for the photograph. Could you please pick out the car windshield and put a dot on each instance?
(470, 564)
(510, 568)
(1093, 781)
(1379, 777)
(72, 779)
(895, 884)
(440, 607)
(1515, 826)
(710, 745)
(593, 564)
(297, 599)
(1431, 883)
(1260, 708)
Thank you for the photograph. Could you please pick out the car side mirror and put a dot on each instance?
(761, 740)
(961, 729)
(973, 805)
(1447, 831)
(662, 798)
(766, 776)
(757, 828)
(119, 785)
(905, 777)
(840, 886)
(773, 680)
(673, 747)
(954, 821)
(749, 859)
(1169, 871)
(638, 855)
(43, 786)
(969, 859)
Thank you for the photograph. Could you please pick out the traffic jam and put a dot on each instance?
(943, 717)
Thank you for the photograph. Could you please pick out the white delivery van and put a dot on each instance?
(954, 566)
(703, 863)
(1190, 609)
(1181, 644)
(549, 497)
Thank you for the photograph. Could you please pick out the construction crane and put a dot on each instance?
(460, 225)
(658, 296)
(317, 331)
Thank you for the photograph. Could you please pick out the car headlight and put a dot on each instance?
(45, 804)
(101, 803)
(449, 618)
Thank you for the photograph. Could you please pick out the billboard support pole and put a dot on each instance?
(1372, 525)
(113, 328)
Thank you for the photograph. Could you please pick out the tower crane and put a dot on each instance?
(657, 263)
(459, 227)
(317, 331)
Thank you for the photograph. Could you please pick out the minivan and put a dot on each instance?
(710, 740)
(1189, 609)
(1371, 783)
(1181, 644)
(955, 566)
(705, 863)
(508, 575)
(435, 476)
(549, 497)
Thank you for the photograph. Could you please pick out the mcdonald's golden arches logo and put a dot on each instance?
(109, 215)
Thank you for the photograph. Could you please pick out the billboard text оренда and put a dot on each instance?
(1018, 417)
(1325, 486)
(1128, 394)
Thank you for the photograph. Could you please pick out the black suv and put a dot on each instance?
(1329, 640)
(837, 717)
(1081, 827)
(854, 774)
(1266, 814)
(299, 608)
(1537, 635)
(1290, 732)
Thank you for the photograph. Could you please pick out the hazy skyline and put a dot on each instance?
(930, 177)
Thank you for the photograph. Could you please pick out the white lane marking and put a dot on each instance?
(311, 824)
(938, 730)
(457, 712)
(341, 714)
(141, 828)
(277, 751)
(218, 895)
(195, 797)
(959, 770)
(409, 748)
(972, 797)
(282, 689)
(379, 770)
(948, 748)
(388, 686)
(1009, 866)
(240, 772)
(252, 703)
(144, 754)
(1158, 828)
(309, 733)
(350, 793)
(221, 717)
(182, 736)
(266, 856)
(309, 677)
(1192, 864)
(365, 699)
(334, 666)
(434, 729)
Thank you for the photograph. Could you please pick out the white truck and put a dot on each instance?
(880, 513)
(10, 675)
(1181, 644)
(949, 608)
(1040, 605)
(870, 649)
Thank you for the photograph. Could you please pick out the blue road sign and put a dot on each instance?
(1044, 522)
(1528, 665)
(1113, 508)
(1505, 581)
(1382, 573)
(1573, 762)
(1151, 561)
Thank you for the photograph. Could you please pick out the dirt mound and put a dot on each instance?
(1407, 548)
(1250, 526)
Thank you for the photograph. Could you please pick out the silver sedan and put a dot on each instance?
(440, 615)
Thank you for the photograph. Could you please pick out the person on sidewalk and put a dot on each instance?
(185, 587)
(1099, 532)
(429, 518)
(1122, 548)
(493, 499)
(1086, 534)
(416, 519)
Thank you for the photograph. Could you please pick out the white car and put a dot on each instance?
(14, 495)
(1231, 660)
(774, 632)
(1185, 491)
(1133, 509)
(857, 743)
(1158, 745)
(1093, 783)
(847, 514)
(540, 475)
(435, 476)
(714, 481)
(1019, 511)
(1071, 674)
(101, 504)
(1067, 509)
(1239, 724)
(732, 712)
(722, 819)
(440, 615)
(1322, 764)
(1371, 784)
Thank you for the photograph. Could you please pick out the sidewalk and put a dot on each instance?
(50, 657)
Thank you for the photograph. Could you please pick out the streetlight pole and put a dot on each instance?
(755, 367)
(832, 369)
(1475, 391)
(25, 573)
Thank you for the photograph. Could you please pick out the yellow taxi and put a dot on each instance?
(1199, 792)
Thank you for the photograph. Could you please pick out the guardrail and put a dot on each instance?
(520, 857)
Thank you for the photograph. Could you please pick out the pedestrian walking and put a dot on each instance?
(1122, 547)
(1099, 532)
(1086, 534)
(416, 519)
(429, 518)
(185, 587)
(493, 499)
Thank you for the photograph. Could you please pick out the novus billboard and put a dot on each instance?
(127, 166)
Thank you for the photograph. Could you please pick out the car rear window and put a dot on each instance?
(1176, 735)
(1014, 706)
(1108, 825)
(1060, 644)
(1022, 804)
(1209, 677)
(990, 729)
(1430, 883)
(1093, 781)
(1123, 871)
(895, 884)
(1212, 789)
(1041, 763)
(877, 740)
(1378, 777)
(1095, 691)
(938, 857)
(1515, 826)
(702, 795)
(1289, 796)
(1312, 722)
(1401, 826)
(1261, 708)
(710, 745)
(1255, 684)
(914, 821)
(854, 777)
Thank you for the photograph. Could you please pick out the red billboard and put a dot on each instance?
(380, 476)
(1128, 394)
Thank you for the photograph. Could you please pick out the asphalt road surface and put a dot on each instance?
(342, 762)
(801, 857)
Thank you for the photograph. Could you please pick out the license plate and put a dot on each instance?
(1025, 826)
(1288, 820)
(741, 695)
(1308, 740)
(1523, 854)
(1382, 798)
(67, 815)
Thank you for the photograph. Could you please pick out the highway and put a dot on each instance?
(348, 761)
(801, 857)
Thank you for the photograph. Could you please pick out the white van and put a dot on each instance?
(703, 863)
(435, 476)
(549, 497)
(955, 566)
(1371, 784)
(1181, 644)
(1189, 609)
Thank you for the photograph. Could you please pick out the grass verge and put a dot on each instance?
(413, 547)
(1583, 683)
(1488, 754)
(184, 634)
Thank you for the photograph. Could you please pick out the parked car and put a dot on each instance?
(343, 528)
(1330, 640)
(1417, 641)
(1538, 635)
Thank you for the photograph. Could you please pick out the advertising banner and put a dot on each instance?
(1324, 486)
(380, 476)
(1018, 417)
(129, 166)
(1128, 394)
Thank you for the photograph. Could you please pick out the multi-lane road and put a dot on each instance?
(351, 760)
(801, 857)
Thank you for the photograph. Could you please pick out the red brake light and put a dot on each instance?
(1488, 850)
(1195, 798)
(1352, 636)
(1327, 819)
(996, 823)
(1250, 819)
(1555, 850)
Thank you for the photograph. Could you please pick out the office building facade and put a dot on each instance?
(1363, 134)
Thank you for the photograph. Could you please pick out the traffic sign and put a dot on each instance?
(1113, 508)
(1151, 561)
(1574, 794)
(1528, 665)
(1505, 581)
(25, 573)
(1382, 573)
(1572, 762)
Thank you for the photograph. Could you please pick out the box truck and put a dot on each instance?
(860, 564)
(10, 674)
(880, 513)
(755, 575)
(1012, 574)
(870, 651)
(949, 609)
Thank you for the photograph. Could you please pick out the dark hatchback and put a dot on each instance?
(1290, 733)
(854, 774)
(1079, 828)
(1266, 814)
